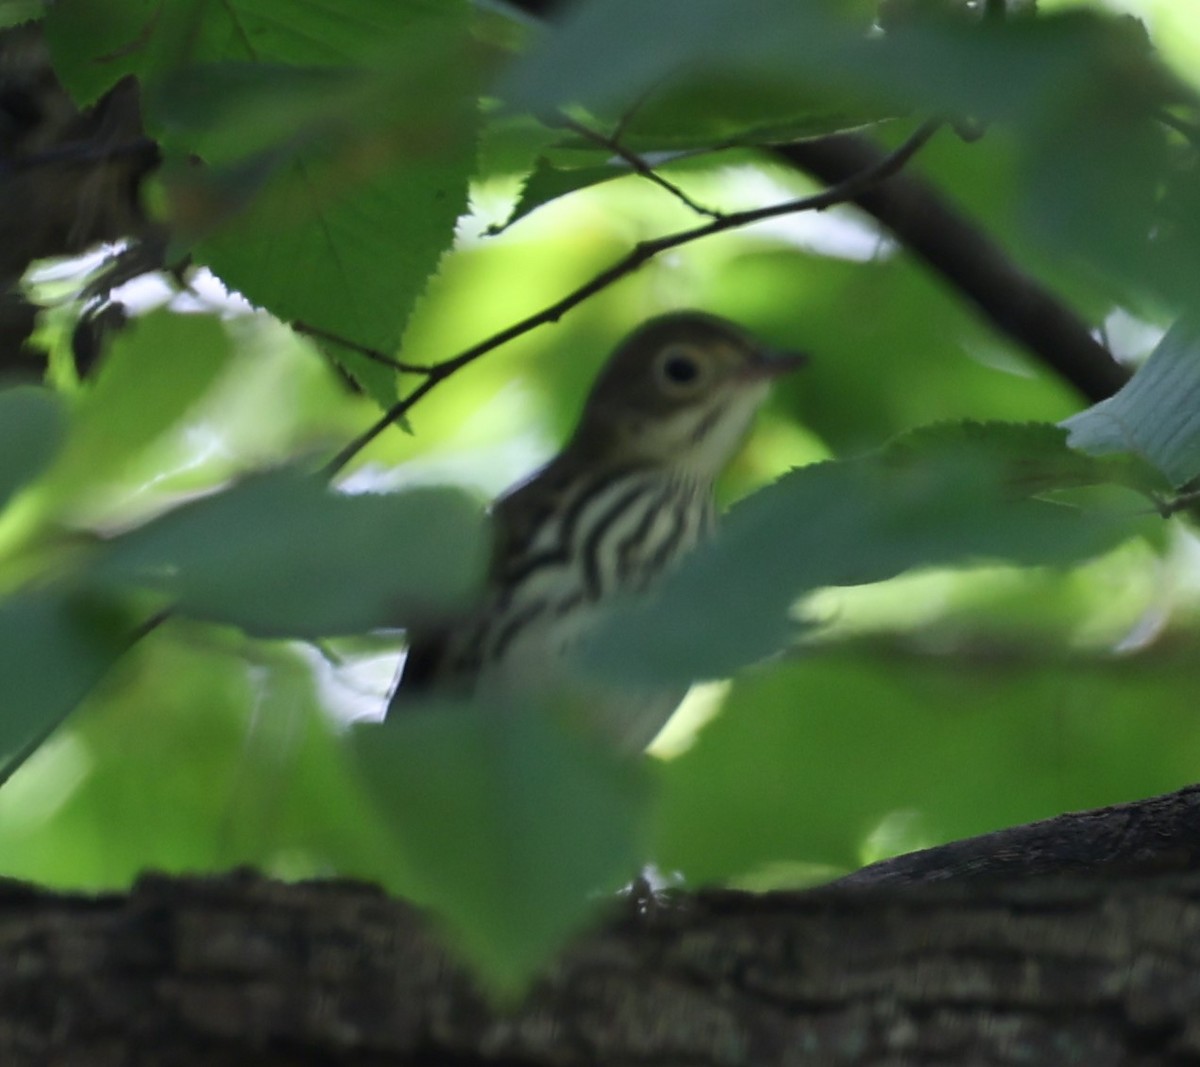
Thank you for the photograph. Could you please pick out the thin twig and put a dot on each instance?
(1166, 507)
(372, 354)
(639, 254)
(636, 163)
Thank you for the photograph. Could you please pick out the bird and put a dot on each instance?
(627, 497)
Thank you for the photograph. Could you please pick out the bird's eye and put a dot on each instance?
(680, 369)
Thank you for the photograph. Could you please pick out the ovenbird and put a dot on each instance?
(630, 493)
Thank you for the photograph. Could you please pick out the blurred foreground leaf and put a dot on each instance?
(31, 429)
(947, 497)
(516, 827)
(1022, 69)
(52, 651)
(280, 554)
(1156, 416)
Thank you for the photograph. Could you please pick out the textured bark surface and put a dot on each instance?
(1096, 970)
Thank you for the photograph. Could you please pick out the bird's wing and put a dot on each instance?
(516, 518)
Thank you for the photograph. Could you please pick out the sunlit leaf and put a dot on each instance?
(1156, 416)
(258, 774)
(514, 825)
(281, 554)
(548, 182)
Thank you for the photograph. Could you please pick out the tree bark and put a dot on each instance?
(1095, 969)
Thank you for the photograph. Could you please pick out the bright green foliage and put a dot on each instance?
(178, 778)
(153, 374)
(814, 754)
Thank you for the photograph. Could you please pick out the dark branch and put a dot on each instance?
(969, 260)
(238, 969)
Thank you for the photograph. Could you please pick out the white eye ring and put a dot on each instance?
(680, 369)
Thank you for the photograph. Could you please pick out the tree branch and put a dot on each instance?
(969, 260)
(238, 969)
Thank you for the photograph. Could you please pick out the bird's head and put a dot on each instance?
(681, 390)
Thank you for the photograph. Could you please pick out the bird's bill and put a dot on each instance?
(774, 363)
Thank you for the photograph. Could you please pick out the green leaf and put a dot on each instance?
(53, 649)
(846, 523)
(349, 261)
(1156, 415)
(331, 178)
(280, 554)
(575, 61)
(157, 368)
(31, 430)
(230, 111)
(513, 824)
(548, 182)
